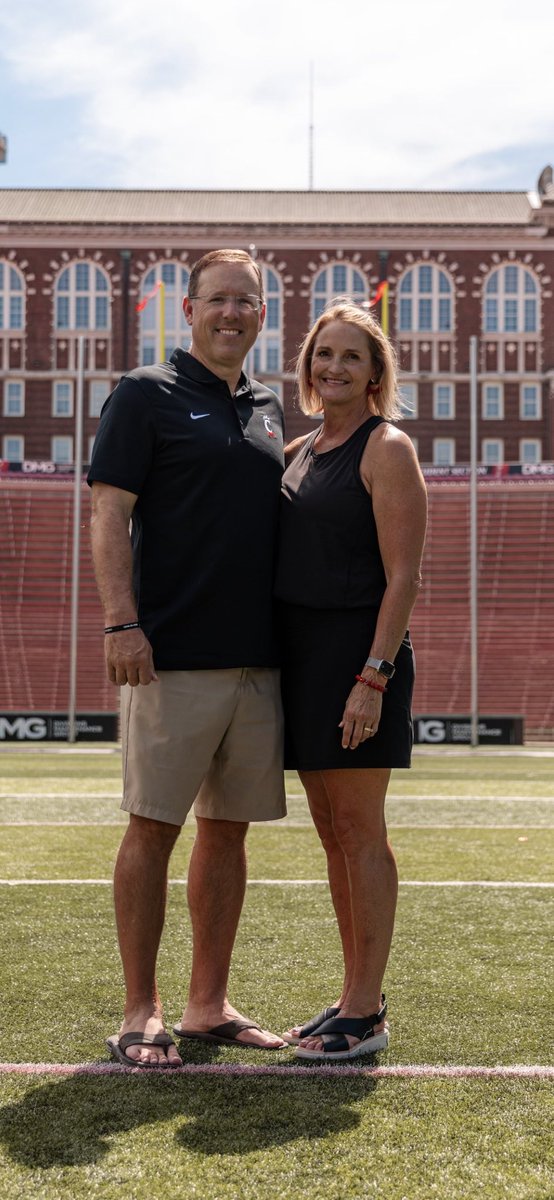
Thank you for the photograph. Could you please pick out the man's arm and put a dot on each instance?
(129, 653)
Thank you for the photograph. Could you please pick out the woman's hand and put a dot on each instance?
(361, 716)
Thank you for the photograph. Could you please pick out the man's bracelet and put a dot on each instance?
(120, 628)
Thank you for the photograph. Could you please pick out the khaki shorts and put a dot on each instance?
(209, 738)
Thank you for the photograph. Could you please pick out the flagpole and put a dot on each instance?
(77, 495)
(385, 309)
(473, 543)
(161, 322)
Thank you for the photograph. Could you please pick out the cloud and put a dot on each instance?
(179, 94)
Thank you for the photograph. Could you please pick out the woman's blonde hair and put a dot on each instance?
(384, 391)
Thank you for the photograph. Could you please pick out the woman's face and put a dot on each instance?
(342, 365)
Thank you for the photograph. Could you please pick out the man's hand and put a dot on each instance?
(129, 658)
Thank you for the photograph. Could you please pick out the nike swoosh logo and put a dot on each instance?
(197, 416)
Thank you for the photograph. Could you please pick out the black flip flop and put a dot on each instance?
(118, 1045)
(225, 1035)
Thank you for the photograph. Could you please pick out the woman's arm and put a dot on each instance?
(391, 473)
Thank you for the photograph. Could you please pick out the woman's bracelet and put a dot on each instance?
(377, 687)
(120, 628)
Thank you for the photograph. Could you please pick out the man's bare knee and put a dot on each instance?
(227, 834)
(152, 833)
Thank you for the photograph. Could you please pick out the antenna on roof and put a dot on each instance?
(3, 148)
(311, 132)
(545, 182)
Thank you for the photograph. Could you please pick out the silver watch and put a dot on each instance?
(382, 666)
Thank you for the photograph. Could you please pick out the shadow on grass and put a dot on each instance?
(73, 1122)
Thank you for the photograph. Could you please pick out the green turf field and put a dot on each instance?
(468, 985)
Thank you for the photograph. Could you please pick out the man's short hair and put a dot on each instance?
(225, 256)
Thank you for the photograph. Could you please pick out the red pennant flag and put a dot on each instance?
(150, 296)
(379, 293)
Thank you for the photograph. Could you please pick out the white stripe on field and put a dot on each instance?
(286, 824)
(416, 1071)
(412, 796)
(434, 883)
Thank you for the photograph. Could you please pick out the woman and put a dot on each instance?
(353, 528)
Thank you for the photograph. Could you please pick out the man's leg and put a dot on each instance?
(216, 886)
(140, 889)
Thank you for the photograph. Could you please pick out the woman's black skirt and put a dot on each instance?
(322, 652)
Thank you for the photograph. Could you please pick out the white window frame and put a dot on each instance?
(444, 416)
(269, 340)
(498, 416)
(20, 410)
(439, 460)
(415, 296)
(13, 437)
(537, 415)
(320, 298)
(486, 445)
(409, 401)
(103, 387)
(501, 297)
(59, 383)
(8, 293)
(55, 455)
(72, 294)
(536, 443)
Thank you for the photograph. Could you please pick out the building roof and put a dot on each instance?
(183, 207)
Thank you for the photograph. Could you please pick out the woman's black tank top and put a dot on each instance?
(328, 547)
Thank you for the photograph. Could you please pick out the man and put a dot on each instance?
(191, 453)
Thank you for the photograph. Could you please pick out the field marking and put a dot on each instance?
(541, 749)
(259, 824)
(416, 1071)
(396, 796)
(434, 883)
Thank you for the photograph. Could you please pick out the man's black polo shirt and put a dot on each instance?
(206, 467)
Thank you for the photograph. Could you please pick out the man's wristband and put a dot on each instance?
(120, 628)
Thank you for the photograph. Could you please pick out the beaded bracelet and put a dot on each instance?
(377, 687)
(120, 628)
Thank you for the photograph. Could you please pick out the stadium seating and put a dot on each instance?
(515, 603)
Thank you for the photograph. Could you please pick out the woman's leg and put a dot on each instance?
(322, 815)
(356, 801)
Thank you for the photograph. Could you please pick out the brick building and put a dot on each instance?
(76, 264)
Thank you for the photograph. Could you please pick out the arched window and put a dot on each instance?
(425, 300)
(82, 299)
(337, 279)
(511, 297)
(12, 294)
(266, 356)
(175, 280)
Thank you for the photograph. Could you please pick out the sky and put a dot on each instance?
(173, 94)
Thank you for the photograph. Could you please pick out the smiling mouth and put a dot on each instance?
(229, 332)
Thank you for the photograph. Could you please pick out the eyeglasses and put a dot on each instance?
(244, 304)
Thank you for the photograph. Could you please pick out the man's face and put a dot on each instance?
(225, 316)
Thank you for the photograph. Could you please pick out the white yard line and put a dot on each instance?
(284, 823)
(396, 796)
(434, 883)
